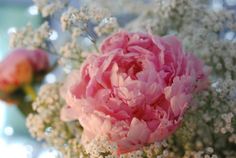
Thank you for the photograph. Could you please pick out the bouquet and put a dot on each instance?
(155, 80)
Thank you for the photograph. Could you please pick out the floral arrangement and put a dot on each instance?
(157, 80)
(135, 93)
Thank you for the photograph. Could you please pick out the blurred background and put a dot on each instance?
(15, 141)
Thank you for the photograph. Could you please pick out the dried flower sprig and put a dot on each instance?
(79, 23)
(45, 124)
(71, 55)
(107, 26)
(30, 38)
(49, 7)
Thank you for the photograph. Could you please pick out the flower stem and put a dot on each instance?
(29, 91)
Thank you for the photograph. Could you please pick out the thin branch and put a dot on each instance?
(89, 34)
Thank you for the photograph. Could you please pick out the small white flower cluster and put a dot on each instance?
(30, 38)
(49, 7)
(69, 18)
(71, 55)
(208, 152)
(102, 148)
(78, 21)
(207, 37)
(164, 16)
(99, 148)
(210, 123)
(106, 26)
(114, 7)
(227, 121)
(73, 149)
(47, 107)
(45, 123)
(79, 18)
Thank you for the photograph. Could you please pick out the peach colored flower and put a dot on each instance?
(135, 92)
(18, 68)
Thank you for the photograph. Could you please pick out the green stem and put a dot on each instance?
(95, 46)
(29, 91)
(24, 104)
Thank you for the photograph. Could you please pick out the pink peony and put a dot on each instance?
(20, 66)
(135, 92)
